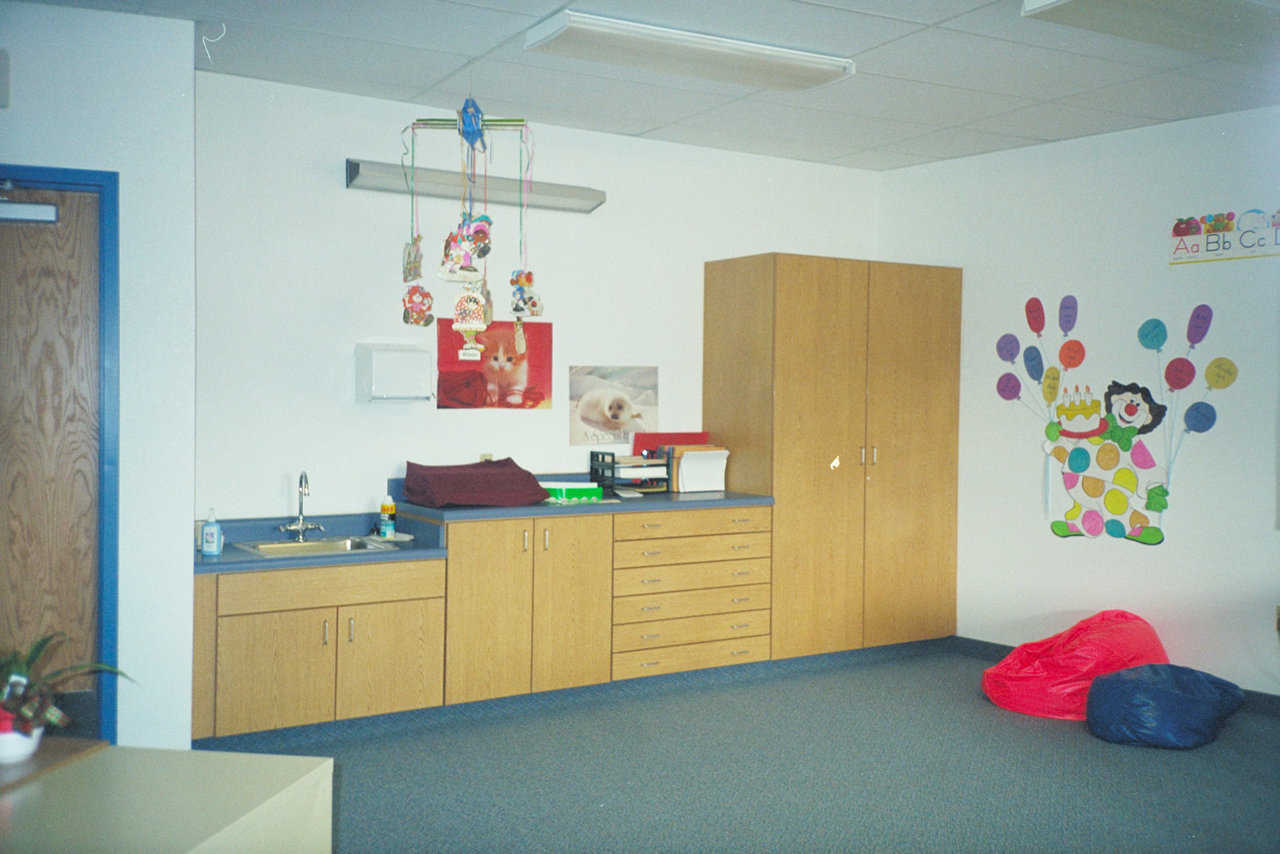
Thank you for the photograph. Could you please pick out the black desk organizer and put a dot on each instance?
(605, 464)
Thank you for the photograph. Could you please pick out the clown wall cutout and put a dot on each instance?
(1103, 448)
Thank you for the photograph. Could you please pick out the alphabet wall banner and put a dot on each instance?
(1108, 450)
(1225, 236)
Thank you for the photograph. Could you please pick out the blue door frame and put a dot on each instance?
(107, 186)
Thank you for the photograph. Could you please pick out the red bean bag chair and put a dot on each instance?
(1050, 678)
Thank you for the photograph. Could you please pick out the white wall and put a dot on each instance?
(114, 92)
(293, 269)
(1092, 218)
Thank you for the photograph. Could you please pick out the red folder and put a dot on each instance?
(641, 442)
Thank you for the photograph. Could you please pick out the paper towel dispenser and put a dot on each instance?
(394, 371)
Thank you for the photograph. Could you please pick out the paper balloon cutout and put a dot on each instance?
(1008, 386)
(1071, 354)
(1179, 373)
(1153, 334)
(1067, 311)
(1007, 347)
(1198, 325)
(1049, 386)
(1034, 363)
(1200, 417)
(1220, 373)
(1035, 315)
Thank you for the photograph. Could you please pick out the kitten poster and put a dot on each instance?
(508, 376)
(608, 404)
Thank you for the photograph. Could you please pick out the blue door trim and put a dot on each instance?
(107, 186)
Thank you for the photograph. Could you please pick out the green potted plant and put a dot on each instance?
(27, 696)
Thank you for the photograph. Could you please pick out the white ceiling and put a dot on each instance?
(936, 79)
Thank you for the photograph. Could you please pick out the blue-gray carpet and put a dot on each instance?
(892, 749)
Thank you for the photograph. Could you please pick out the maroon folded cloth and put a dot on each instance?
(493, 483)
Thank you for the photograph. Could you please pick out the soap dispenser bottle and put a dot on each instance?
(211, 536)
(387, 518)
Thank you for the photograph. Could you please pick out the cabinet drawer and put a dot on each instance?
(672, 659)
(692, 603)
(690, 549)
(684, 523)
(689, 576)
(348, 584)
(632, 636)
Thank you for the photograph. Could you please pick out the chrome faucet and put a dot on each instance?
(300, 526)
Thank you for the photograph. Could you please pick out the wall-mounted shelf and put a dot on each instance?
(392, 178)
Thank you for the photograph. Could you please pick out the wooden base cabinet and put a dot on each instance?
(301, 646)
(838, 395)
(690, 590)
(528, 605)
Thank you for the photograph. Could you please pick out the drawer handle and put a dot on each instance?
(651, 554)
(743, 572)
(651, 581)
(736, 626)
(740, 548)
(740, 521)
(741, 652)
(650, 637)
(650, 524)
(650, 663)
(740, 599)
(651, 608)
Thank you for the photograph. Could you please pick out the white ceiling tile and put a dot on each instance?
(923, 11)
(1172, 97)
(953, 58)
(901, 100)
(321, 61)
(1004, 20)
(879, 159)
(1055, 121)
(451, 27)
(711, 136)
(958, 142)
(619, 105)
(755, 117)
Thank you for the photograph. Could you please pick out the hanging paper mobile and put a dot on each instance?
(524, 302)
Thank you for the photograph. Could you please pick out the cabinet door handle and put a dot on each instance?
(546, 539)
(526, 539)
(351, 629)
(863, 452)
(325, 640)
(875, 455)
(651, 554)
(651, 581)
(650, 524)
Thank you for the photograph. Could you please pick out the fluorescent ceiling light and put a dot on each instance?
(391, 178)
(1246, 31)
(580, 35)
(27, 212)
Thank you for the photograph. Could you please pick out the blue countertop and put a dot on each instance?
(425, 524)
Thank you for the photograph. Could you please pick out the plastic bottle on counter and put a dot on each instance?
(387, 518)
(211, 536)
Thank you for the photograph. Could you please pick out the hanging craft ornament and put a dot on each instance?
(464, 248)
(524, 302)
(469, 320)
(417, 300)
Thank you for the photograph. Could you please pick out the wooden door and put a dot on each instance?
(390, 657)
(913, 382)
(275, 669)
(819, 367)
(572, 601)
(49, 428)
(489, 603)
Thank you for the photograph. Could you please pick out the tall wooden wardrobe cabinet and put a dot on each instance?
(834, 383)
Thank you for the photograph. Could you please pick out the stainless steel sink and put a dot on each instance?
(324, 546)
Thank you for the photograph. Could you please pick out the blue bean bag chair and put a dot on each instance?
(1160, 705)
